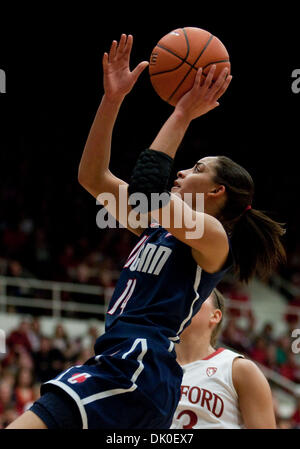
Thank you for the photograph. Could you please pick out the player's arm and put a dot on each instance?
(255, 397)
(211, 248)
(94, 174)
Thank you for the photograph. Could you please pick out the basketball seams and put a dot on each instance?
(190, 65)
(207, 65)
(174, 68)
(183, 60)
(213, 62)
(172, 52)
(187, 42)
(204, 48)
(193, 66)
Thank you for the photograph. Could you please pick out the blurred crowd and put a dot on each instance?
(32, 358)
(265, 347)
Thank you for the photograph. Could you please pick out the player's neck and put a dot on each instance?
(189, 351)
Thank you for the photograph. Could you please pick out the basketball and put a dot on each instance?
(176, 58)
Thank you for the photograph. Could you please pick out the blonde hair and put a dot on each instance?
(219, 303)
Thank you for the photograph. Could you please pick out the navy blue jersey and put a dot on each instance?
(160, 289)
(134, 379)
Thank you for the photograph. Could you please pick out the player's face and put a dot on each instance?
(198, 179)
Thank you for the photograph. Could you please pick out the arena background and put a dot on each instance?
(48, 234)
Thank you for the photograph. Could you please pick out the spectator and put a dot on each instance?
(73, 350)
(49, 361)
(83, 273)
(238, 294)
(34, 334)
(6, 396)
(271, 351)
(19, 337)
(60, 339)
(289, 368)
(267, 333)
(68, 262)
(16, 269)
(9, 415)
(14, 240)
(23, 389)
(84, 355)
(7, 376)
(89, 340)
(283, 347)
(25, 360)
(233, 335)
(42, 253)
(259, 351)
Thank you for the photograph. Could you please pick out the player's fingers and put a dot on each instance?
(139, 69)
(122, 43)
(215, 105)
(128, 45)
(223, 88)
(105, 61)
(219, 81)
(197, 82)
(112, 51)
(209, 77)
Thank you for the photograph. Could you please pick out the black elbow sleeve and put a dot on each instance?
(151, 175)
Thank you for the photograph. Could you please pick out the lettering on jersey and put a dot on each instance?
(149, 258)
(204, 398)
(136, 250)
(211, 371)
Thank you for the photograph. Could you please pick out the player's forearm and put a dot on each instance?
(171, 134)
(96, 155)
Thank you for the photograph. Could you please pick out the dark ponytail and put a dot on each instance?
(255, 237)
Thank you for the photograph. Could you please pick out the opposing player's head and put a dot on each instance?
(207, 322)
(228, 195)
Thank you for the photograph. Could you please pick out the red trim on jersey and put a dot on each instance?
(214, 353)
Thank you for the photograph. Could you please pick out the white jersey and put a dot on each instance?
(208, 397)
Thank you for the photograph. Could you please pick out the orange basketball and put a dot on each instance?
(177, 56)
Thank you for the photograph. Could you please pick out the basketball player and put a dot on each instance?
(220, 388)
(134, 379)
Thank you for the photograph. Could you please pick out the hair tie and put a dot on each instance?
(248, 208)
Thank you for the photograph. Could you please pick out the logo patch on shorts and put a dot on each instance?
(78, 378)
(211, 371)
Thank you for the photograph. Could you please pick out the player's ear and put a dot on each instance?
(217, 191)
(216, 316)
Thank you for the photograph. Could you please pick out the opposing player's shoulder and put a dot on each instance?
(246, 373)
(243, 365)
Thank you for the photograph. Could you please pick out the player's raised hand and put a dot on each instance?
(118, 80)
(204, 96)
